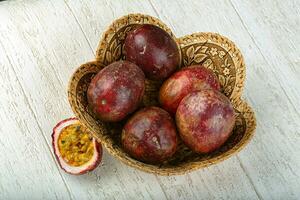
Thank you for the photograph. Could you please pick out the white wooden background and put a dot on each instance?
(43, 41)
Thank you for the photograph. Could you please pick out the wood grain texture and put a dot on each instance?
(274, 29)
(27, 169)
(41, 44)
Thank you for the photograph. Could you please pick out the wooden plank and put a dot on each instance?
(223, 181)
(45, 44)
(274, 26)
(27, 170)
(95, 17)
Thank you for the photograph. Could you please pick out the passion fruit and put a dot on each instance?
(153, 50)
(116, 91)
(150, 135)
(205, 120)
(181, 83)
(76, 151)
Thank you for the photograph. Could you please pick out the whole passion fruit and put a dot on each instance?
(183, 82)
(116, 91)
(205, 120)
(153, 50)
(76, 151)
(150, 135)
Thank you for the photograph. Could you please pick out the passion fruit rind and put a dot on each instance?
(75, 170)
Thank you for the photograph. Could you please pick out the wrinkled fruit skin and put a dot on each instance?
(153, 50)
(150, 135)
(183, 82)
(205, 119)
(116, 90)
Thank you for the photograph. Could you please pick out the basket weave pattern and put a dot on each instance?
(209, 49)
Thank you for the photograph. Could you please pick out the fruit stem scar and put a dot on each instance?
(144, 49)
(170, 55)
(103, 101)
(155, 141)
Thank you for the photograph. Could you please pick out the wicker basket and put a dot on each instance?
(210, 49)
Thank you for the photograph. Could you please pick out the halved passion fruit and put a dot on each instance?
(76, 151)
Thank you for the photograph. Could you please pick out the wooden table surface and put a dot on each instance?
(43, 41)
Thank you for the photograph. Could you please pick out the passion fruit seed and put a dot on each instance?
(75, 145)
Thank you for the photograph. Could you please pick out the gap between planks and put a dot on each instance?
(38, 124)
(263, 56)
(77, 22)
(266, 60)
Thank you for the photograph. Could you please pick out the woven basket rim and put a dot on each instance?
(190, 166)
(237, 92)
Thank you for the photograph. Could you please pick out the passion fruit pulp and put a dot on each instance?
(76, 151)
